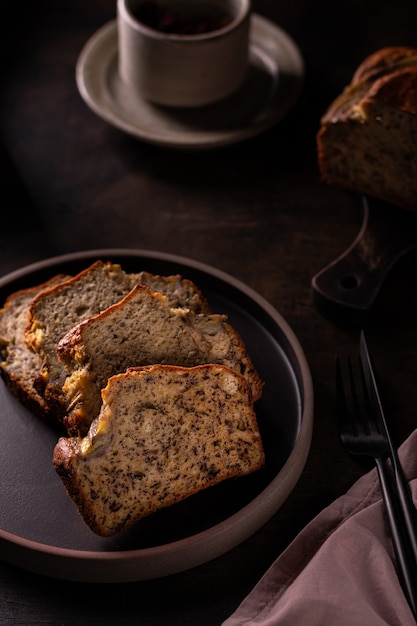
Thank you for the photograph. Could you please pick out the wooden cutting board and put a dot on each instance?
(347, 288)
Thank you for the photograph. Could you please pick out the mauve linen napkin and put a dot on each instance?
(340, 570)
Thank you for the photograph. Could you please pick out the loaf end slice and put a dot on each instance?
(20, 366)
(367, 137)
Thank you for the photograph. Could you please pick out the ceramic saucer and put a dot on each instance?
(271, 90)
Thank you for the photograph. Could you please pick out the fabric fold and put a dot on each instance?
(339, 569)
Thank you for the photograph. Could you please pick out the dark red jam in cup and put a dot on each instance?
(166, 20)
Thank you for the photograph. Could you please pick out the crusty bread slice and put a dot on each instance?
(20, 366)
(55, 311)
(367, 137)
(163, 434)
(142, 329)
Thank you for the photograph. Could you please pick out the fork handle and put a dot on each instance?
(407, 568)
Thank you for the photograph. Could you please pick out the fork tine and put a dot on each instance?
(372, 421)
(343, 413)
(366, 422)
(346, 401)
(358, 413)
(356, 405)
(357, 427)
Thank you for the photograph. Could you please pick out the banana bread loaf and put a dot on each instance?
(368, 136)
(163, 434)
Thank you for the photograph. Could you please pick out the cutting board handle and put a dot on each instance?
(347, 288)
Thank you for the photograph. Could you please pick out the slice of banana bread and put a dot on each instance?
(20, 366)
(163, 434)
(54, 312)
(142, 329)
(367, 138)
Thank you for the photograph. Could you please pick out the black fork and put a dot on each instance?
(362, 433)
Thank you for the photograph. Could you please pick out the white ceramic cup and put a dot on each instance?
(184, 70)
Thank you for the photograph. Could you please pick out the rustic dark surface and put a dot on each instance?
(256, 210)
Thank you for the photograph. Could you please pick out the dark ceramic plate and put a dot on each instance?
(41, 530)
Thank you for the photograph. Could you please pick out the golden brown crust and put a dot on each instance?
(398, 89)
(384, 61)
(376, 71)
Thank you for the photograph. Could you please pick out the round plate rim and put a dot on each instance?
(67, 562)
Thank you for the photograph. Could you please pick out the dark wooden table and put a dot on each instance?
(257, 210)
